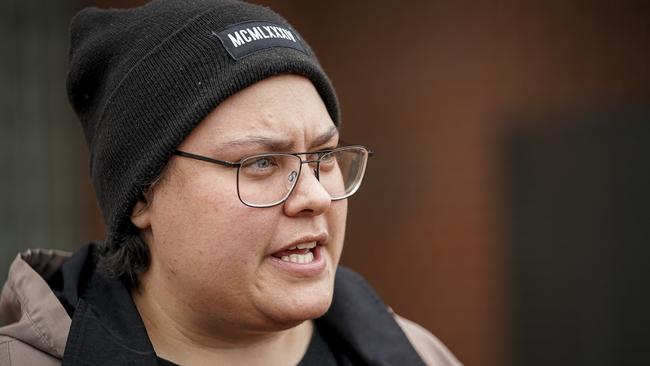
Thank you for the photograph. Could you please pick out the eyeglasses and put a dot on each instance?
(267, 180)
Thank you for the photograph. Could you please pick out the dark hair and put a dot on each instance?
(125, 260)
(127, 257)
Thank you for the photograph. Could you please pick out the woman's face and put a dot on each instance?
(218, 259)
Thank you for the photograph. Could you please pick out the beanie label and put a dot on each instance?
(243, 39)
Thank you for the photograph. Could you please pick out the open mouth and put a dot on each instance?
(301, 254)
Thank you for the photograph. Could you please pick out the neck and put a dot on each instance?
(186, 343)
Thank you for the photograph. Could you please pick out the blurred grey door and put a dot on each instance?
(581, 239)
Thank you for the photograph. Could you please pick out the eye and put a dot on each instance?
(260, 163)
(327, 160)
(259, 166)
(328, 157)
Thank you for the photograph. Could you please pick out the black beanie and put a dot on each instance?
(141, 79)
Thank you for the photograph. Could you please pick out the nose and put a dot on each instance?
(309, 197)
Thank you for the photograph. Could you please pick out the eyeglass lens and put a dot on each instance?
(268, 179)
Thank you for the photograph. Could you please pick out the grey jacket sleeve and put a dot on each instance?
(16, 353)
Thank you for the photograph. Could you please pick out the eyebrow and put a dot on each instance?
(275, 145)
(324, 138)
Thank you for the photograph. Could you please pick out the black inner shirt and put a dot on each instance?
(318, 353)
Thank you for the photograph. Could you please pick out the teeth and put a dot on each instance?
(299, 258)
(307, 245)
(304, 246)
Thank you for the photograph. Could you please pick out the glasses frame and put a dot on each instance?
(319, 153)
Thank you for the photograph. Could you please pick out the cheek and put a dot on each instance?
(337, 218)
(208, 234)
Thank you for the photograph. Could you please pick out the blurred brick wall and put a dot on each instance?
(427, 85)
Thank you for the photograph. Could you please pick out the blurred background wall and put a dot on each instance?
(506, 207)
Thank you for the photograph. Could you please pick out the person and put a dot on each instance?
(216, 158)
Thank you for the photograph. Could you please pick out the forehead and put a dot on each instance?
(285, 108)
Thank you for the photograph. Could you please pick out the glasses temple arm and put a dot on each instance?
(206, 159)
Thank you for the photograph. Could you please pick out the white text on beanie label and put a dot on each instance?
(243, 39)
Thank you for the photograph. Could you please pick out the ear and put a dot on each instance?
(141, 214)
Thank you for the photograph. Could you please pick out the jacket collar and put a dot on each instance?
(106, 326)
(364, 328)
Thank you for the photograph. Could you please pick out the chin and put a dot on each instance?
(314, 309)
(305, 306)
